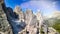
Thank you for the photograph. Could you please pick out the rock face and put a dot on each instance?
(10, 11)
(39, 18)
(33, 23)
(15, 19)
(28, 16)
(26, 23)
(19, 12)
(5, 27)
(52, 31)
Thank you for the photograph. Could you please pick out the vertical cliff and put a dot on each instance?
(5, 27)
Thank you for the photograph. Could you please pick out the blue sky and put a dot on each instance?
(45, 6)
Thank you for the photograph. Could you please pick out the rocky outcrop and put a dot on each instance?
(28, 16)
(19, 12)
(5, 27)
(33, 23)
(15, 21)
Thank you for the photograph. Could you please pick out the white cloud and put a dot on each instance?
(45, 6)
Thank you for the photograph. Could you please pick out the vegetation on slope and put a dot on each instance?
(57, 25)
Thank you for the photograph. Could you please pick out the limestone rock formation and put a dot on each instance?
(39, 18)
(33, 23)
(51, 30)
(19, 12)
(33, 26)
(5, 27)
(16, 19)
(28, 16)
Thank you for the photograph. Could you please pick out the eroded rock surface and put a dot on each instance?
(5, 27)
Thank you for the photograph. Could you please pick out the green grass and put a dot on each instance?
(57, 25)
